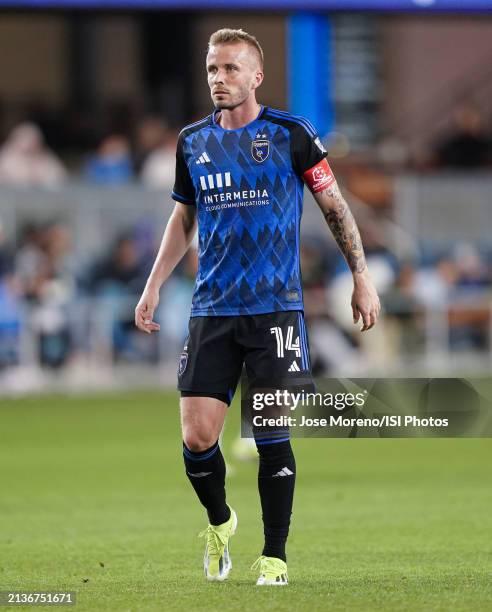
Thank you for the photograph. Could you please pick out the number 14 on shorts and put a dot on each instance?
(289, 344)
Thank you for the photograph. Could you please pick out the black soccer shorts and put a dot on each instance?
(273, 347)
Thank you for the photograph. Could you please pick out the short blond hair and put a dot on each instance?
(228, 35)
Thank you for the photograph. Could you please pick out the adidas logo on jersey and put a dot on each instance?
(284, 472)
(294, 367)
(203, 159)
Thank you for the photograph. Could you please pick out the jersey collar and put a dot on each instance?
(217, 125)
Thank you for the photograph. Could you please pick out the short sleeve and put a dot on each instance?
(306, 148)
(183, 190)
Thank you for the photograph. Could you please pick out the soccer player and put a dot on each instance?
(240, 174)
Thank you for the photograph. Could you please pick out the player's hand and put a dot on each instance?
(365, 301)
(144, 311)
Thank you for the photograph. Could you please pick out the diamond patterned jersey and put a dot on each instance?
(247, 187)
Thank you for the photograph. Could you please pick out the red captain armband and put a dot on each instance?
(319, 177)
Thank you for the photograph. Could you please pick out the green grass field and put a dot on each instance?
(94, 500)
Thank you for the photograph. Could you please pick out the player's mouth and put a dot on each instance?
(220, 92)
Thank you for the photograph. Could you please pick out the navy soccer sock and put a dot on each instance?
(276, 481)
(206, 471)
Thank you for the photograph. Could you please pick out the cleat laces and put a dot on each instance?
(216, 540)
(269, 566)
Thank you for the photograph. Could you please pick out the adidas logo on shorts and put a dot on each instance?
(294, 367)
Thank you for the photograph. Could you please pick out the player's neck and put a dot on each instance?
(233, 119)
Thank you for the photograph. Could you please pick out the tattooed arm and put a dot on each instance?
(365, 301)
(343, 227)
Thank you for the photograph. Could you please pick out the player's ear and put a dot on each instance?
(258, 79)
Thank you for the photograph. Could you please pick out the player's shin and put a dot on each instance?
(206, 471)
(276, 481)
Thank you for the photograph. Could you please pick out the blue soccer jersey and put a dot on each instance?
(247, 186)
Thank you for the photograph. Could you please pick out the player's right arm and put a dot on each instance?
(177, 237)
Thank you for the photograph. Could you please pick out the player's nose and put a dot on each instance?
(218, 77)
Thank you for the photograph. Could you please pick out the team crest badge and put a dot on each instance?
(183, 362)
(260, 149)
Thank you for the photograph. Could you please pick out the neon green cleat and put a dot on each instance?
(273, 571)
(217, 562)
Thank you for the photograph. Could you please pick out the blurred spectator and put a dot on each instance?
(403, 313)
(29, 262)
(46, 282)
(6, 257)
(118, 280)
(118, 273)
(467, 146)
(327, 341)
(151, 134)
(112, 164)
(455, 286)
(433, 286)
(9, 307)
(399, 299)
(159, 168)
(43, 256)
(26, 161)
(472, 270)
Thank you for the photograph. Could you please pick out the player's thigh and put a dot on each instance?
(211, 361)
(202, 419)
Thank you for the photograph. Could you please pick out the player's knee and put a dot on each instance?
(198, 442)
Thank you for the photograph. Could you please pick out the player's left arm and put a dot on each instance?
(325, 190)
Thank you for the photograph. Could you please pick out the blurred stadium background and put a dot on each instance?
(90, 107)
(93, 496)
